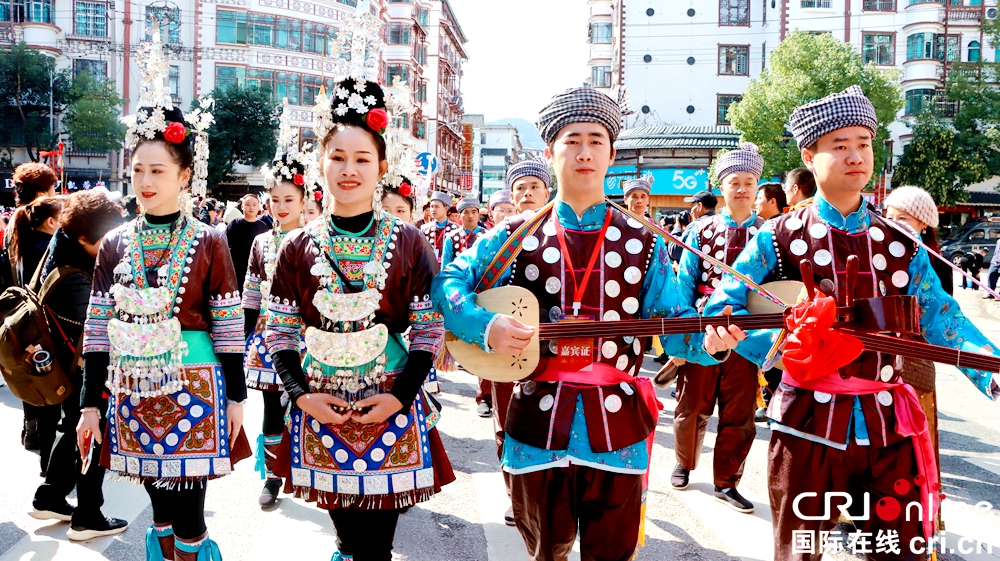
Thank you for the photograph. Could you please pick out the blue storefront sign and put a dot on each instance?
(666, 181)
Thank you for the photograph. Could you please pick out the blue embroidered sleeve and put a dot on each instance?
(448, 251)
(756, 261)
(689, 266)
(454, 290)
(950, 327)
(661, 297)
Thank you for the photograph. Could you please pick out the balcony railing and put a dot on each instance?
(968, 13)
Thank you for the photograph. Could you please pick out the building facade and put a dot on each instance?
(499, 148)
(685, 64)
(288, 46)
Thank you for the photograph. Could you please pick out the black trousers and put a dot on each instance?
(274, 414)
(182, 507)
(46, 418)
(365, 534)
(62, 472)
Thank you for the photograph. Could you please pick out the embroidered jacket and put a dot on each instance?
(459, 241)
(721, 237)
(890, 264)
(552, 423)
(210, 303)
(405, 302)
(437, 235)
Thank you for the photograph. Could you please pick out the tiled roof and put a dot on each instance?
(643, 138)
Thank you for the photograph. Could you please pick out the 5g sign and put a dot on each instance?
(688, 180)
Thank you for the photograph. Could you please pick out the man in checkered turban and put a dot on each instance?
(439, 229)
(733, 384)
(637, 194)
(581, 258)
(843, 415)
(529, 182)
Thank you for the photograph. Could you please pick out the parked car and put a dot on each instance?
(971, 236)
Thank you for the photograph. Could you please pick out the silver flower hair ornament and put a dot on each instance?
(154, 104)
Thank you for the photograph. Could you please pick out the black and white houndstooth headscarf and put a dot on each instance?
(849, 108)
(745, 158)
(579, 105)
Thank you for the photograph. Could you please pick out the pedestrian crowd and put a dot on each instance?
(330, 294)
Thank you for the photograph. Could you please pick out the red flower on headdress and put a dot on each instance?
(405, 189)
(377, 120)
(318, 195)
(175, 133)
(298, 179)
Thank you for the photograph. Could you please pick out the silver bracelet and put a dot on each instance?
(231, 402)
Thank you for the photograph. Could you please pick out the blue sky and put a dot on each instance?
(521, 53)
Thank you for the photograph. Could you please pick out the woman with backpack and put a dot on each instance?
(164, 331)
(85, 219)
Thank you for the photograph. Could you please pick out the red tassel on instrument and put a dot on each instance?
(813, 348)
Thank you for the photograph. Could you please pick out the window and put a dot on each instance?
(815, 3)
(91, 19)
(394, 70)
(421, 130)
(734, 60)
(600, 76)
(954, 50)
(879, 48)
(263, 79)
(734, 12)
(289, 34)
(260, 29)
(421, 54)
(422, 16)
(169, 21)
(231, 27)
(723, 101)
(973, 51)
(493, 176)
(38, 11)
(422, 92)
(287, 86)
(918, 101)
(879, 5)
(318, 38)
(98, 68)
(174, 80)
(397, 34)
(226, 76)
(922, 1)
(600, 33)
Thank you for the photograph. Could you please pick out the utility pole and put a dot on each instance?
(51, 112)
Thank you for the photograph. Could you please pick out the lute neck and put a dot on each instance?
(656, 326)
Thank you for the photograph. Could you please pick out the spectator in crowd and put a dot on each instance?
(131, 206)
(800, 188)
(85, 218)
(703, 203)
(32, 181)
(916, 208)
(209, 212)
(454, 216)
(770, 200)
(241, 232)
(428, 215)
(972, 263)
(994, 272)
(32, 229)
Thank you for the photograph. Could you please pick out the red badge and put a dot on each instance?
(574, 354)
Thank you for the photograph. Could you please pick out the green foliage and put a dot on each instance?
(92, 118)
(25, 86)
(804, 68)
(943, 160)
(244, 132)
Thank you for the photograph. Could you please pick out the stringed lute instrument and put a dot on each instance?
(868, 319)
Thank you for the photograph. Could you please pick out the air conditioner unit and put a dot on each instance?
(991, 13)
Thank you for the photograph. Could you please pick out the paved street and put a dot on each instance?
(465, 522)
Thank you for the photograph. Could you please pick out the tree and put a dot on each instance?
(92, 118)
(244, 131)
(27, 77)
(943, 160)
(803, 68)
